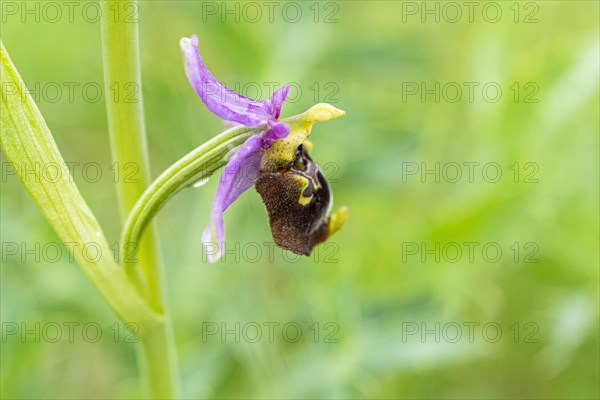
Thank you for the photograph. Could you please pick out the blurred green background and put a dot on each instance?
(388, 308)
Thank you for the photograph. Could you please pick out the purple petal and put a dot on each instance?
(277, 130)
(220, 100)
(277, 99)
(238, 176)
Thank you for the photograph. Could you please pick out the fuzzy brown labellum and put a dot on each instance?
(298, 201)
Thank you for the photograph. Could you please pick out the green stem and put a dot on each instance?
(155, 363)
(129, 150)
(199, 164)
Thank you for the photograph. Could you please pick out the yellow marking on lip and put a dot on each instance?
(304, 182)
(313, 179)
(303, 200)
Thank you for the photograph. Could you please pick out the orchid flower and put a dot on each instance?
(296, 194)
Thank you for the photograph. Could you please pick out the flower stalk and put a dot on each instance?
(196, 166)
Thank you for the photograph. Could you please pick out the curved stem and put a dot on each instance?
(197, 165)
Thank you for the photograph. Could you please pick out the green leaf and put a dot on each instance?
(27, 143)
